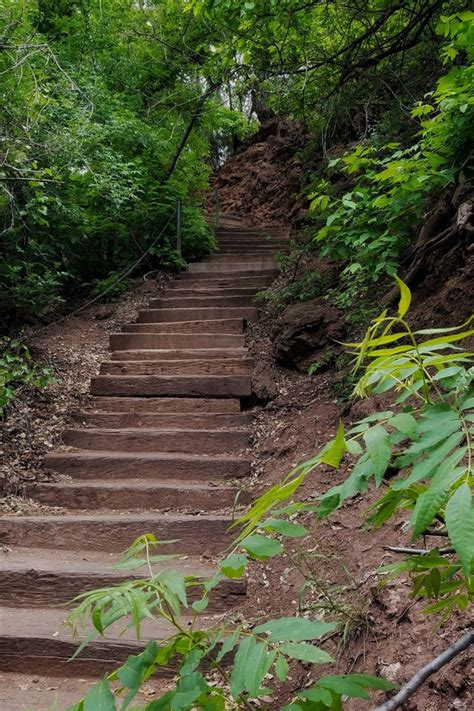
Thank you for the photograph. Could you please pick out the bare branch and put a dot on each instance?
(425, 672)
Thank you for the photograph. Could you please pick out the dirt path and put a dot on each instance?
(161, 449)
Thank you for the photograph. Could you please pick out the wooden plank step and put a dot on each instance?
(125, 341)
(164, 405)
(180, 302)
(164, 315)
(255, 267)
(39, 641)
(144, 465)
(114, 532)
(176, 385)
(199, 281)
(142, 440)
(179, 354)
(212, 291)
(43, 577)
(223, 272)
(136, 495)
(216, 366)
(231, 325)
(163, 420)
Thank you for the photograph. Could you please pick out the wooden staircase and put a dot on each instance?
(161, 449)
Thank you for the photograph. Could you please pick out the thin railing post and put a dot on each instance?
(218, 208)
(179, 226)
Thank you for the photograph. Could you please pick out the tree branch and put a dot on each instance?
(425, 672)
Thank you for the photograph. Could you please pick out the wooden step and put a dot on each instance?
(136, 495)
(142, 440)
(179, 354)
(216, 366)
(220, 274)
(208, 313)
(163, 420)
(177, 385)
(115, 532)
(200, 281)
(231, 325)
(38, 641)
(164, 405)
(38, 577)
(126, 341)
(255, 267)
(145, 465)
(197, 290)
(186, 302)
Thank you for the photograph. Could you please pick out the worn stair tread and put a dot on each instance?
(216, 366)
(111, 531)
(137, 495)
(201, 301)
(164, 314)
(140, 439)
(92, 562)
(162, 405)
(165, 420)
(230, 325)
(178, 354)
(87, 464)
(185, 385)
(129, 341)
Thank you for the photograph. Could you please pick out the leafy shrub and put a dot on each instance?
(17, 370)
(421, 451)
(370, 225)
(167, 594)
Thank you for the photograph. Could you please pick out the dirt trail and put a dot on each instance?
(161, 449)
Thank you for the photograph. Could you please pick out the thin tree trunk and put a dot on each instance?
(187, 132)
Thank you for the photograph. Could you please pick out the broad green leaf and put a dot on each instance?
(432, 501)
(405, 297)
(306, 652)
(334, 453)
(100, 698)
(318, 694)
(295, 629)
(234, 565)
(377, 441)
(344, 685)
(229, 644)
(368, 681)
(189, 689)
(405, 423)
(281, 668)
(257, 664)
(285, 528)
(261, 547)
(237, 684)
(459, 517)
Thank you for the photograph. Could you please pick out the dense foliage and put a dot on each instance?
(95, 107)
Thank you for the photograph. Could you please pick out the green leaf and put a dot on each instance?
(344, 685)
(295, 629)
(285, 528)
(257, 664)
(189, 689)
(459, 517)
(234, 565)
(229, 644)
(261, 547)
(432, 500)
(306, 652)
(237, 684)
(377, 441)
(333, 454)
(100, 698)
(320, 695)
(281, 668)
(405, 423)
(405, 297)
